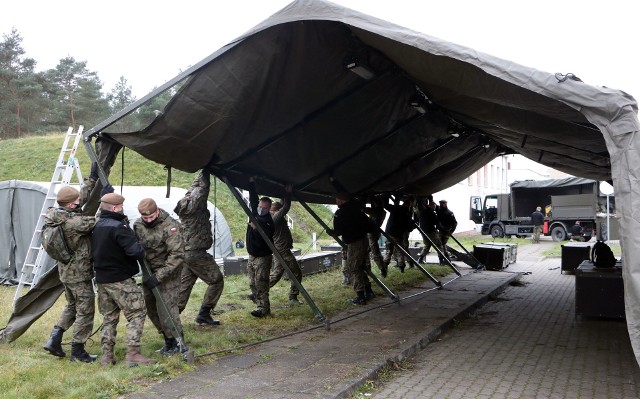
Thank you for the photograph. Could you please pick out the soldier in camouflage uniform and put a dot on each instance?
(353, 224)
(75, 276)
(159, 235)
(116, 253)
(283, 241)
(260, 254)
(196, 234)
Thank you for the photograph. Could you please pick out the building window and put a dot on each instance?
(486, 176)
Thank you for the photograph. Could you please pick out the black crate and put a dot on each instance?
(319, 261)
(599, 292)
(235, 265)
(573, 255)
(491, 256)
(512, 250)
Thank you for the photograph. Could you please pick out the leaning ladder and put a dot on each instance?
(66, 165)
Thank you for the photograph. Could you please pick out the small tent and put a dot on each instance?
(21, 202)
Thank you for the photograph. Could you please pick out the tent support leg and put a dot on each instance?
(404, 251)
(480, 264)
(386, 289)
(442, 256)
(321, 317)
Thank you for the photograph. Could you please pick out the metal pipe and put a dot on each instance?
(442, 255)
(279, 258)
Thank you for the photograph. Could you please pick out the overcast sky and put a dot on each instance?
(150, 42)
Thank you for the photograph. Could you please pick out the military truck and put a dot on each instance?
(563, 202)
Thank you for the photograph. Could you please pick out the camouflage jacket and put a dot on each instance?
(282, 238)
(77, 232)
(163, 246)
(194, 215)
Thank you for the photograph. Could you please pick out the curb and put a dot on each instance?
(432, 336)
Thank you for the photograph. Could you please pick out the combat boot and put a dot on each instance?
(108, 359)
(204, 317)
(78, 353)
(369, 294)
(169, 348)
(360, 299)
(135, 358)
(293, 300)
(54, 345)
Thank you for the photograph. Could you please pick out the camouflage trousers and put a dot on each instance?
(259, 268)
(374, 247)
(393, 251)
(357, 253)
(277, 270)
(79, 310)
(169, 290)
(200, 264)
(112, 298)
(432, 237)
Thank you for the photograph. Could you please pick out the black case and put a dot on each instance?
(573, 255)
(491, 256)
(599, 292)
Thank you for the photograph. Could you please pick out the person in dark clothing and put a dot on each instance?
(576, 232)
(399, 225)
(431, 226)
(116, 253)
(537, 219)
(352, 224)
(377, 214)
(449, 224)
(260, 254)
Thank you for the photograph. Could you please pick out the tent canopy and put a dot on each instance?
(329, 99)
(282, 103)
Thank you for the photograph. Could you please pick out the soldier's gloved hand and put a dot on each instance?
(94, 172)
(151, 282)
(106, 190)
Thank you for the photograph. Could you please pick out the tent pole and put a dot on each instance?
(386, 289)
(279, 258)
(422, 269)
(481, 265)
(424, 235)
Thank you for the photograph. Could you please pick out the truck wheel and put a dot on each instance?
(558, 234)
(497, 232)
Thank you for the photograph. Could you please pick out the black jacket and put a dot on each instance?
(447, 219)
(537, 218)
(352, 223)
(115, 249)
(256, 246)
(429, 220)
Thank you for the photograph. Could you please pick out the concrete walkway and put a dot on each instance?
(333, 363)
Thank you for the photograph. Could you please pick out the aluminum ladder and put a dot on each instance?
(65, 167)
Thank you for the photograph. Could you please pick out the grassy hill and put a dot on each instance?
(33, 158)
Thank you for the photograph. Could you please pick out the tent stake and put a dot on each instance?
(279, 257)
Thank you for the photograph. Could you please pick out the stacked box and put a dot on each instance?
(573, 255)
(493, 257)
(512, 250)
(599, 292)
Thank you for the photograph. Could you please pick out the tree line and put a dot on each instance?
(33, 103)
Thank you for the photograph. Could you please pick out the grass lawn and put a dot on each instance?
(28, 371)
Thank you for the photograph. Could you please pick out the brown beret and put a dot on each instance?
(112, 199)
(147, 206)
(67, 195)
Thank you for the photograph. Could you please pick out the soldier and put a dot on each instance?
(449, 223)
(75, 276)
(196, 234)
(352, 224)
(159, 235)
(431, 226)
(399, 226)
(260, 254)
(537, 218)
(377, 215)
(115, 254)
(283, 241)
